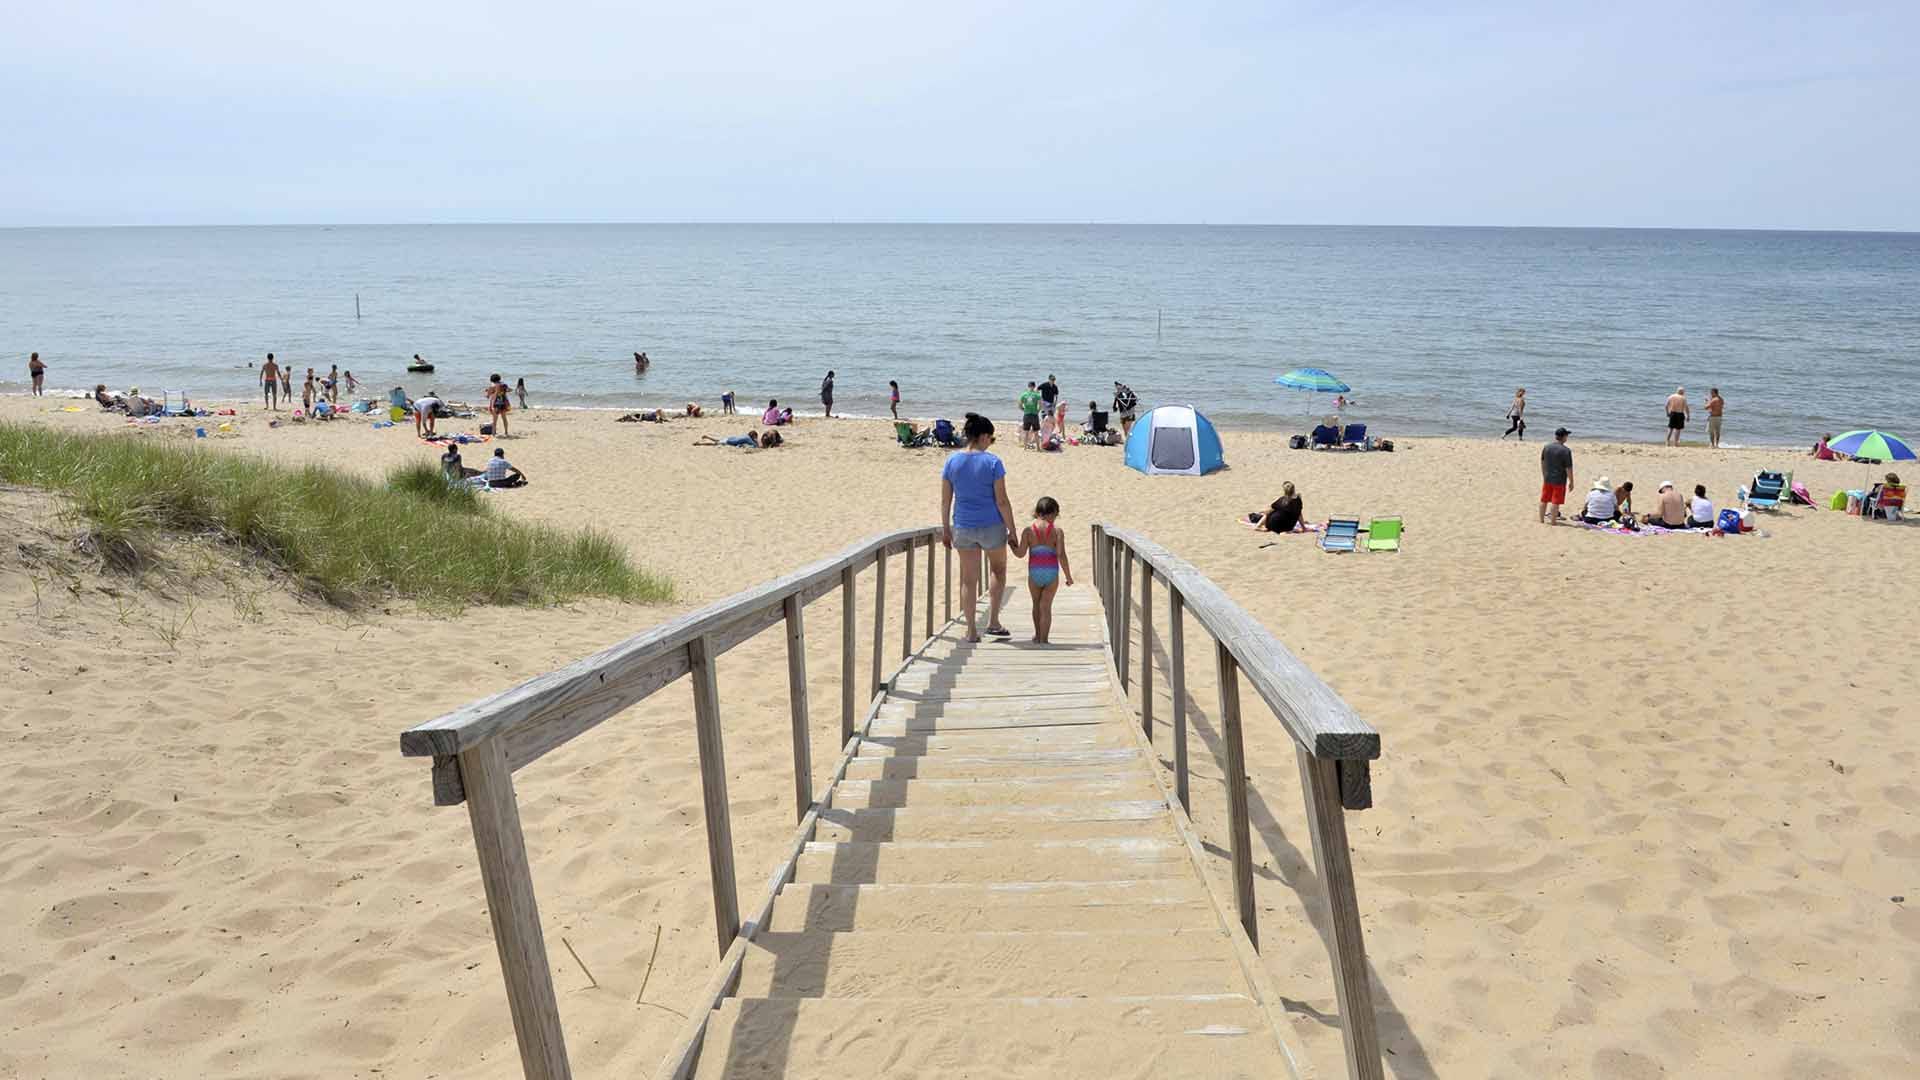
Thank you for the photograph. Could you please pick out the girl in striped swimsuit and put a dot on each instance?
(1046, 551)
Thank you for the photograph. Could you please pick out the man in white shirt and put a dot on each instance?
(423, 412)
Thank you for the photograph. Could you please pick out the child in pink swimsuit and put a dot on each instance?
(1044, 546)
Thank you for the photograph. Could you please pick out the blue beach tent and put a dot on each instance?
(1174, 439)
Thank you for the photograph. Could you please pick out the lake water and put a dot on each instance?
(1433, 327)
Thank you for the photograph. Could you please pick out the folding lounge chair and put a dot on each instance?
(1891, 503)
(1326, 435)
(1383, 534)
(1767, 489)
(174, 402)
(1356, 436)
(943, 433)
(1343, 534)
(910, 439)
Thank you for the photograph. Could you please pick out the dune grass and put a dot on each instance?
(348, 539)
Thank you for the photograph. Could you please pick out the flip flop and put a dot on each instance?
(999, 631)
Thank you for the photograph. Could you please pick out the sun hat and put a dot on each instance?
(1665, 484)
(1602, 485)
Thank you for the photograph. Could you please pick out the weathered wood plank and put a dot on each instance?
(1356, 784)
(1239, 831)
(879, 619)
(906, 609)
(1316, 716)
(849, 644)
(508, 882)
(1146, 649)
(713, 791)
(589, 690)
(1177, 635)
(447, 788)
(946, 560)
(797, 706)
(1124, 643)
(1327, 824)
(930, 576)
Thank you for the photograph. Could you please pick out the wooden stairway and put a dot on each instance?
(997, 887)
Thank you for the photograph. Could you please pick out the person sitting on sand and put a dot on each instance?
(454, 469)
(1702, 509)
(772, 416)
(693, 411)
(502, 474)
(425, 411)
(1283, 516)
(1671, 511)
(1601, 506)
(1822, 452)
(106, 400)
(751, 438)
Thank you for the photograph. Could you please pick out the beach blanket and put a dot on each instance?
(462, 439)
(1618, 529)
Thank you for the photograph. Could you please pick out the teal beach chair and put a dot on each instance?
(1343, 534)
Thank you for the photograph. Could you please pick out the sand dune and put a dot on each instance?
(1644, 806)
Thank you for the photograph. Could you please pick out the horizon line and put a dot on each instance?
(903, 223)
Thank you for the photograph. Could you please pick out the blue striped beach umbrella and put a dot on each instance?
(1871, 445)
(1312, 378)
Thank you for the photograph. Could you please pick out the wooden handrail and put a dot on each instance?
(1331, 744)
(476, 749)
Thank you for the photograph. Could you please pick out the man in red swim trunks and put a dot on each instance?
(1556, 467)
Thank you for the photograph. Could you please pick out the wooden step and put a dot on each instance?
(973, 766)
(986, 861)
(1094, 787)
(1156, 904)
(1054, 821)
(1215, 1037)
(938, 722)
(987, 743)
(989, 964)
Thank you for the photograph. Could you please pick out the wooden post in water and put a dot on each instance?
(848, 639)
(713, 790)
(1176, 631)
(879, 617)
(797, 704)
(906, 608)
(1238, 830)
(1146, 649)
(508, 881)
(1327, 824)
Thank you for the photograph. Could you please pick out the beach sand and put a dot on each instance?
(1644, 807)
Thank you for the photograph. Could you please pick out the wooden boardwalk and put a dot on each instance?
(998, 885)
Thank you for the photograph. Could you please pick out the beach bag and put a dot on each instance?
(1298, 442)
(1386, 445)
(1838, 502)
(1729, 520)
(486, 429)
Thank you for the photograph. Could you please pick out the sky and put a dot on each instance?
(1691, 114)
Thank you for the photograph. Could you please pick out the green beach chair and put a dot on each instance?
(1383, 534)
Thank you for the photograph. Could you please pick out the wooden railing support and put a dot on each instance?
(1239, 831)
(930, 543)
(797, 705)
(879, 618)
(1146, 650)
(906, 609)
(1176, 632)
(713, 790)
(1327, 824)
(947, 560)
(1125, 640)
(508, 881)
(848, 639)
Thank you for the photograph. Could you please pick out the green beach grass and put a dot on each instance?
(348, 539)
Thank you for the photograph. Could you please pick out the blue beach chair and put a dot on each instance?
(1356, 436)
(1767, 490)
(1343, 534)
(1326, 435)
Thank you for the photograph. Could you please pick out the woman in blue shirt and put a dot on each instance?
(976, 516)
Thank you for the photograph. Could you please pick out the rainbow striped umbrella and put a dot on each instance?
(1312, 378)
(1871, 445)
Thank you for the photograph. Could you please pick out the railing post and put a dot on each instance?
(1177, 633)
(1146, 649)
(906, 608)
(930, 542)
(1125, 639)
(848, 639)
(879, 617)
(1327, 824)
(797, 703)
(947, 561)
(508, 881)
(1238, 830)
(713, 790)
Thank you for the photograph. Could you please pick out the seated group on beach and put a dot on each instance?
(499, 473)
(1610, 505)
